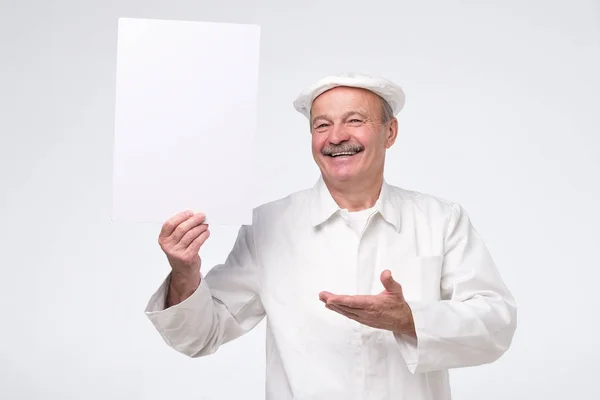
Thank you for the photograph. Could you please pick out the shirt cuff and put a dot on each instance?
(411, 347)
(158, 300)
(191, 311)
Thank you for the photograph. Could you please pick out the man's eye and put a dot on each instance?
(321, 126)
(355, 120)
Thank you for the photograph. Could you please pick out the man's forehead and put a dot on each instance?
(365, 113)
(343, 101)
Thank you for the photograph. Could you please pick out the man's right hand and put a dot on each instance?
(180, 239)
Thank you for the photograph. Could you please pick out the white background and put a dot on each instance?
(502, 116)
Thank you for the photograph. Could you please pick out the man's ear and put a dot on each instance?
(391, 132)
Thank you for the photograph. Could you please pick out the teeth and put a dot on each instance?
(343, 154)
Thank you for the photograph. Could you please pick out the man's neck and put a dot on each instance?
(355, 195)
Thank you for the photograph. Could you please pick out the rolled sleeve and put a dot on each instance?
(409, 345)
(193, 311)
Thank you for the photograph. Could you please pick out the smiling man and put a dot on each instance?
(370, 291)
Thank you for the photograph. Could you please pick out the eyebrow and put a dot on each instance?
(346, 115)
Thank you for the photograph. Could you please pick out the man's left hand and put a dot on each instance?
(388, 310)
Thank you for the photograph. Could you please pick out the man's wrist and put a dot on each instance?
(407, 324)
(181, 286)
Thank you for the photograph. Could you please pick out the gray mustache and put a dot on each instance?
(342, 148)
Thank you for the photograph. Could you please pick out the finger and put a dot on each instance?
(172, 223)
(361, 312)
(359, 301)
(191, 235)
(357, 317)
(324, 296)
(345, 313)
(194, 247)
(389, 283)
(185, 226)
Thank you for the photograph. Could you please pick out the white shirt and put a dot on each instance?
(303, 244)
(357, 220)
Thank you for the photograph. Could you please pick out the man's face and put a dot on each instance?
(349, 138)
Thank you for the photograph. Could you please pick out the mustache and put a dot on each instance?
(342, 148)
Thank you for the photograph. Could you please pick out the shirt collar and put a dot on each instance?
(324, 206)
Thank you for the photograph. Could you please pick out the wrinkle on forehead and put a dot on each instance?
(341, 100)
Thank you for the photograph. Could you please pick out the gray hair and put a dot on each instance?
(386, 111)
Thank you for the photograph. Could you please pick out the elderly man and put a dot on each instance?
(370, 291)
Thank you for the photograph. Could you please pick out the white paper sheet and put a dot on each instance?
(185, 120)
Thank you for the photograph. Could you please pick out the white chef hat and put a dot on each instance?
(385, 88)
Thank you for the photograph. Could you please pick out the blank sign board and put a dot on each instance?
(185, 120)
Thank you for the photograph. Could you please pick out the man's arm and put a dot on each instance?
(182, 286)
(195, 315)
(475, 321)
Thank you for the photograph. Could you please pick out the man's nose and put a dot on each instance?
(338, 134)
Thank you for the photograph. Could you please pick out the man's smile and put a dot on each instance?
(344, 154)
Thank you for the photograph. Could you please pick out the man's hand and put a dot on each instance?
(180, 239)
(388, 310)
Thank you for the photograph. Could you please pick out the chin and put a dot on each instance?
(339, 173)
(340, 176)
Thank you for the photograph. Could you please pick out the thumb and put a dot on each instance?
(389, 283)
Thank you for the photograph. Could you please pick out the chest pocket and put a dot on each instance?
(419, 276)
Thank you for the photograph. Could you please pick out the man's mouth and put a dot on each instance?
(344, 153)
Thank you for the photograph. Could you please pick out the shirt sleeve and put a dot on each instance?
(475, 320)
(225, 306)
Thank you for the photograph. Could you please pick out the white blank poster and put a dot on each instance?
(185, 120)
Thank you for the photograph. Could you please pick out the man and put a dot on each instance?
(370, 291)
